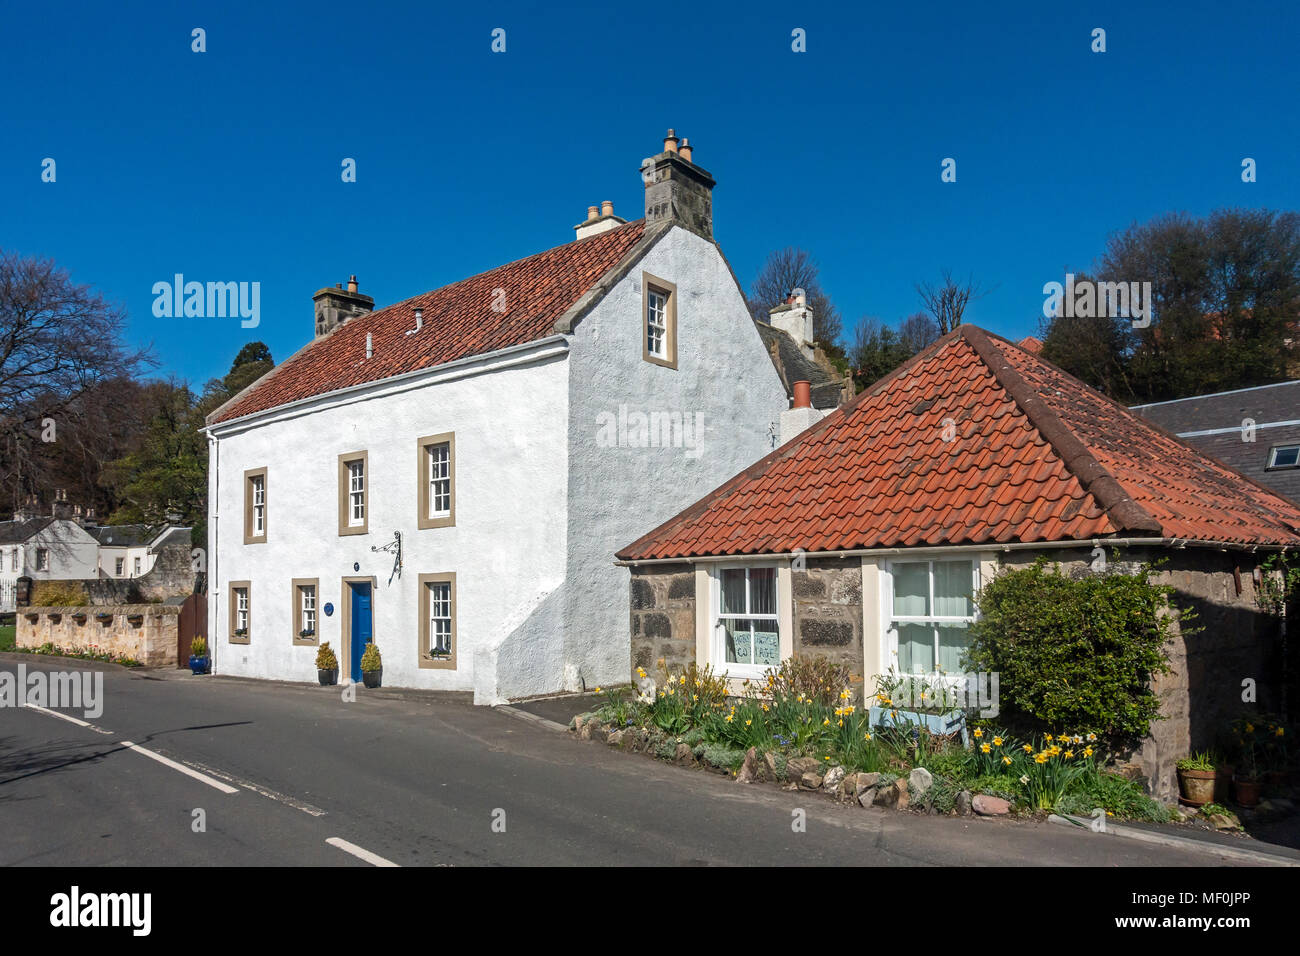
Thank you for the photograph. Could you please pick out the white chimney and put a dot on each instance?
(802, 415)
(795, 319)
(598, 220)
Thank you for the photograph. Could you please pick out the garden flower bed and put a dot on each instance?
(805, 728)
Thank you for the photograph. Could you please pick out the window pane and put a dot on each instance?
(952, 588)
(1283, 457)
(762, 591)
(767, 644)
(915, 648)
(733, 591)
(911, 590)
(953, 639)
(739, 645)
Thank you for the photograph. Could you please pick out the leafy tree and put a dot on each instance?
(877, 351)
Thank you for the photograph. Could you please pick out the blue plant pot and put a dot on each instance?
(950, 723)
(200, 665)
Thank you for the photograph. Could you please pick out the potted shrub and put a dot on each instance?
(1196, 779)
(1247, 781)
(327, 665)
(200, 663)
(372, 665)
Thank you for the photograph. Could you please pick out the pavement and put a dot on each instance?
(194, 771)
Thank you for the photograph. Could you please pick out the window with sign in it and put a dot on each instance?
(932, 605)
(747, 620)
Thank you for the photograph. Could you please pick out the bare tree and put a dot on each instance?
(947, 301)
(791, 268)
(59, 341)
(917, 331)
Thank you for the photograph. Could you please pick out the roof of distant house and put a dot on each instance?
(16, 532)
(122, 535)
(467, 318)
(974, 441)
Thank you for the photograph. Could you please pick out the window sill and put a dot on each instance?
(442, 663)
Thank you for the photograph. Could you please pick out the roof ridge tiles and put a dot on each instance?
(1074, 454)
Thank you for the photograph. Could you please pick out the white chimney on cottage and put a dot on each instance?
(598, 220)
(802, 415)
(795, 319)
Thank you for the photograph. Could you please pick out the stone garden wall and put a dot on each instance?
(828, 611)
(663, 616)
(144, 632)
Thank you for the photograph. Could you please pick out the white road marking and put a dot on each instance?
(69, 719)
(202, 777)
(257, 788)
(372, 858)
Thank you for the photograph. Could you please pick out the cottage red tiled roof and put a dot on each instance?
(459, 322)
(974, 441)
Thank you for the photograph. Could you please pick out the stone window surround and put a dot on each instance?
(295, 612)
(669, 289)
(234, 587)
(423, 519)
(249, 475)
(422, 651)
(345, 498)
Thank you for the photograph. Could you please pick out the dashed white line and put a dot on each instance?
(373, 859)
(202, 777)
(68, 718)
(258, 788)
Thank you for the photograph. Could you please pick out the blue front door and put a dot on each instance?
(360, 626)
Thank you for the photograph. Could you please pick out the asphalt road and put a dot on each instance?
(282, 769)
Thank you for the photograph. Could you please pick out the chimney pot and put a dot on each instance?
(419, 319)
(352, 284)
(593, 212)
(803, 395)
(607, 208)
(370, 345)
(670, 142)
(685, 149)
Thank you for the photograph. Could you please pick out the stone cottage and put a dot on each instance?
(866, 537)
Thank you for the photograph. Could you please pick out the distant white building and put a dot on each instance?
(450, 476)
(130, 550)
(44, 549)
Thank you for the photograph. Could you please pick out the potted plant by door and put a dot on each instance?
(372, 665)
(327, 665)
(1247, 780)
(200, 663)
(1196, 776)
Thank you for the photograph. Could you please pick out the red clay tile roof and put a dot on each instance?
(458, 322)
(1033, 455)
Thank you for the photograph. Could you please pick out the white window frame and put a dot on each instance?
(1272, 457)
(307, 607)
(259, 505)
(13, 560)
(42, 559)
(435, 588)
(135, 567)
(356, 493)
(439, 479)
(656, 323)
(119, 567)
(718, 639)
(241, 611)
(889, 634)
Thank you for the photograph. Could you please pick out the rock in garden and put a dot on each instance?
(921, 780)
(684, 754)
(831, 782)
(849, 787)
(810, 781)
(903, 797)
(749, 772)
(577, 722)
(769, 758)
(599, 732)
(865, 782)
(616, 738)
(1224, 821)
(964, 803)
(884, 796)
(796, 767)
(867, 797)
(987, 806)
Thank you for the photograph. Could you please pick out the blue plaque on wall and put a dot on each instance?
(329, 610)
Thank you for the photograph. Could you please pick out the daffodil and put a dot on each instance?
(997, 741)
(985, 748)
(1006, 761)
(978, 733)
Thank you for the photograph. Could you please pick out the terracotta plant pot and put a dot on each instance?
(1247, 791)
(1197, 786)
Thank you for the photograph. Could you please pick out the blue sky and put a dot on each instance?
(225, 165)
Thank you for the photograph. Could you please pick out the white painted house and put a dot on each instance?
(43, 549)
(450, 476)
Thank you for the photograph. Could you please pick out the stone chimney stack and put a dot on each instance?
(795, 319)
(677, 190)
(335, 306)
